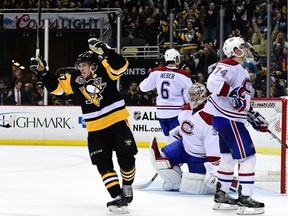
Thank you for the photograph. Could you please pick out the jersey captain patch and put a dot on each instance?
(92, 91)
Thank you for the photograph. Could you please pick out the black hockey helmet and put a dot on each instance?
(87, 56)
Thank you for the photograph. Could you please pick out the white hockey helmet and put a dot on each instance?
(197, 94)
(172, 55)
(230, 44)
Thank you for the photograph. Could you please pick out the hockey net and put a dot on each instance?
(271, 155)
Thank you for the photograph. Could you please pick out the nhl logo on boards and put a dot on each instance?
(150, 116)
(137, 115)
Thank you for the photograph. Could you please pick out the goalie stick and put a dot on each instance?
(143, 186)
(10, 122)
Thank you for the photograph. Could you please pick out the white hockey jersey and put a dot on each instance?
(198, 136)
(227, 76)
(172, 86)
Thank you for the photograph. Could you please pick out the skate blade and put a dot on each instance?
(118, 210)
(224, 206)
(250, 211)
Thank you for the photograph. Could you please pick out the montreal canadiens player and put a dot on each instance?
(229, 103)
(197, 147)
(172, 86)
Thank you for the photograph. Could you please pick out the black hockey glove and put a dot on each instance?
(257, 121)
(99, 47)
(38, 66)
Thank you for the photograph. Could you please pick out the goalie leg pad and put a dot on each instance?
(163, 167)
(211, 175)
(193, 183)
(171, 178)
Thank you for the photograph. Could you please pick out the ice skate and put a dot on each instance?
(128, 193)
(223, 201)
(249, 206)
(118, 205)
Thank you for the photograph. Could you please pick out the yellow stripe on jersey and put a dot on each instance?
(58, 91)
(114, 74)
(64, 85)
(106, 121)
(121, 70)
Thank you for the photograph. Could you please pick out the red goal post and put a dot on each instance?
(271, 162)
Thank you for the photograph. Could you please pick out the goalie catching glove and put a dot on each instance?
(239, 101)
(257, 121)
(99, 47)
(38, 66)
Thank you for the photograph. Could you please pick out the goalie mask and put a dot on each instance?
(172, 55)
(197, 94)
(230, 44)
(90, 58)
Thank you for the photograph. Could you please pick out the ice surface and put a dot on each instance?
(60, 181)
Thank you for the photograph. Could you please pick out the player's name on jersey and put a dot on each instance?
(167, 75)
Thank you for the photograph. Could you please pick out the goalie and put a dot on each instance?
(197, 146)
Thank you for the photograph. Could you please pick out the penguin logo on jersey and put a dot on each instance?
(92, 91)
(187, 127)
(128, 142)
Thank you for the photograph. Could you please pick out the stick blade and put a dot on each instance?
(146, 185)
(142, 186)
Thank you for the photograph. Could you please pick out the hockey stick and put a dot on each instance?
(270, 132)
(143, 186)
(279, 140)
(37, 30)
(10, 122)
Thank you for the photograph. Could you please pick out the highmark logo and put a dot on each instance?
(25, 120)
(6, 119)
(81, 121)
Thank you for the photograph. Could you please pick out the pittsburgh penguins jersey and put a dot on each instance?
(100, 100)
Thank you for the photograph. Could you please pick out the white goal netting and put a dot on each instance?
(271, 157)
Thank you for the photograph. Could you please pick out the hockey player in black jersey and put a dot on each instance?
(94, 83)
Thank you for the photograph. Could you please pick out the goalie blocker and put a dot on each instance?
(173, 177)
